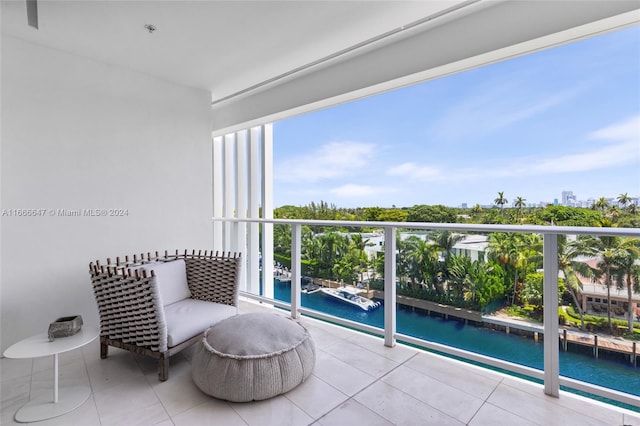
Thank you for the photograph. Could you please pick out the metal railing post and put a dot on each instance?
(389, 286)
(296, 269)
(550, 300)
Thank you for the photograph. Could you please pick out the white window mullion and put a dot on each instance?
(240, 236)
(253, 255)
(218, 185)
(267, 209)
(229, 188)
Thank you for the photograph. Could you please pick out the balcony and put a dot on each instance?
(120, 120)
(549, 374)
(356, 381)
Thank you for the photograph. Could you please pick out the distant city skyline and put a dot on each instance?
(578, 201)
(566, 118)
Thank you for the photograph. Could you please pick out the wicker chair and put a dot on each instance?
(133, 315)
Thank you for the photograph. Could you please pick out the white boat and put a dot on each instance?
(350, 295)
(282, 274)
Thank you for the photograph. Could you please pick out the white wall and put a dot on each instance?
(79, 134)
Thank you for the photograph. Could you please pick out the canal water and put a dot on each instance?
(614, 374)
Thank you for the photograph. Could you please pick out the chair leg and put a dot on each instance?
(104, 349)
(163, 367)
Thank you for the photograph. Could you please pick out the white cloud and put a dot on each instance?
(495, 108)
(355, 191)
(333, 160)
(627, 132)
(412, 170)
(621, 147)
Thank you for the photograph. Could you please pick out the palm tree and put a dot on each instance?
(333, 247)
(459, 275)
(282, 240)
(623, 200)
(514, 251)
(357, 253)
(446, 240)
(613, 212)
(343, 269)
(422, 260)
(629, 273)
(567, 253)
(500, 201)
(476, 210)
(505, 248)
(312, 251)
(519, 203)
(609, 250)
(601, 204)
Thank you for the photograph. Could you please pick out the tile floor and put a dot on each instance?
(356, 381)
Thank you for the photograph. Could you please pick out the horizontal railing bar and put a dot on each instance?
(337, 320)
(273, 302)
(535, 229)
(601, 391)
(472, 356)
(578, 385)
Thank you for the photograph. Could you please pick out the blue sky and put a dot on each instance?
(566, 118)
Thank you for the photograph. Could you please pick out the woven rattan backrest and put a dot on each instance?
(129, 307)
(214, 278)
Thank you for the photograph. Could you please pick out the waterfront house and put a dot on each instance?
(111, 107)
(594, 297)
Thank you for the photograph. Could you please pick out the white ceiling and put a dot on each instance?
(220, 46)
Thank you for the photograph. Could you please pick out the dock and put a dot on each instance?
(580, 338)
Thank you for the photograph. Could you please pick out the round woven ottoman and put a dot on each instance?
(251, 357)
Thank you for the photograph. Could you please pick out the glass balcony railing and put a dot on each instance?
(385, 294)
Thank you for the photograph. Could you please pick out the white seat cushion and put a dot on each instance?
(171, 278)
(188, 318)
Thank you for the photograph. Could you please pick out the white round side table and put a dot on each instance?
(71, 397)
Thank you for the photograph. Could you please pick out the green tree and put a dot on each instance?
(446, 240)
(488, 281)
(520, 204)
(601, 204)
(459, 279)
(514, 251)
(568, 252)
(568, 216)
(533, 289)
(393, 215)
(476, 210)
(623, 200)
(357, 254)
(432, 214)
(312, 252)
(372, 214)
(282, 240)
(343, 270)
(500, 200)
(628, 273)
(421, 262)
(609, 250)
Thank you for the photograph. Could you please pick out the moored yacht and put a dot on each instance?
(350, 295)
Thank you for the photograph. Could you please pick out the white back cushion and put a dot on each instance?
(171, 278)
